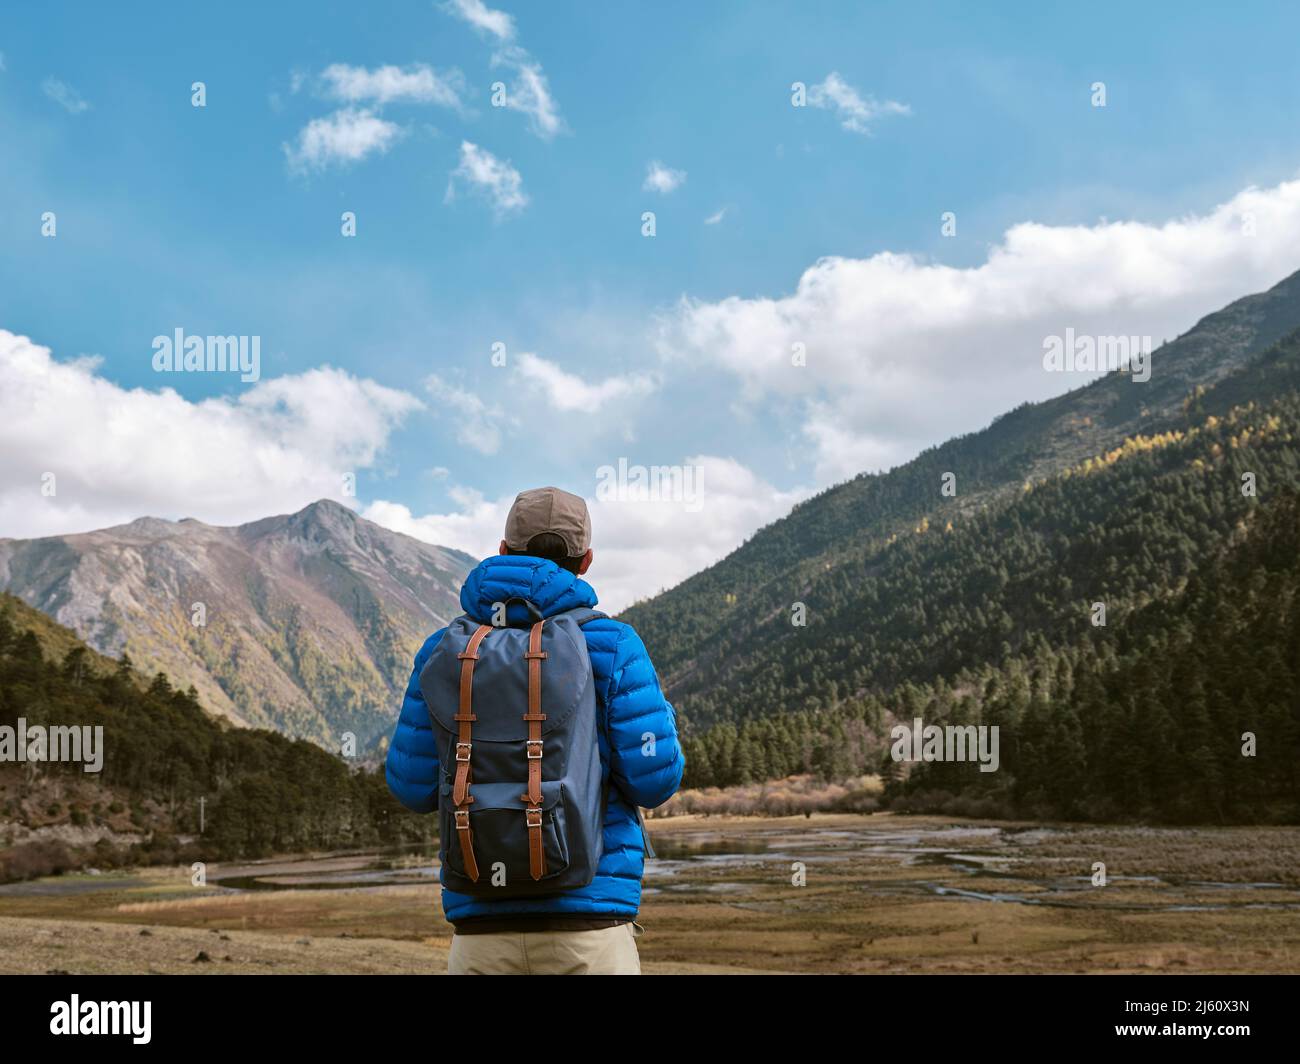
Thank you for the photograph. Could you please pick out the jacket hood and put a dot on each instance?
(543, 583)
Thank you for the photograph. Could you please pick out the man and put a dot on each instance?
(589, 929)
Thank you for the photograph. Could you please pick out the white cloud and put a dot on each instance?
(64, 95)
(495, 23)
(716, 216)
(494, 178)
(388, 84)
(478, 424)
(483, 426)
(567, 392)
(476, 527)
(855, 112)
(663, 179)
(118, 454)
(640, 547)
(358, 130)
(902, 353)
(529, 92)
(346, 136)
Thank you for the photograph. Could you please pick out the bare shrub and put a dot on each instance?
(792, 796)
(31, 860)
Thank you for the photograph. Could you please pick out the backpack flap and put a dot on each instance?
(501, 677)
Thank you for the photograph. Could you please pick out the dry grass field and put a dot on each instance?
(830, 893)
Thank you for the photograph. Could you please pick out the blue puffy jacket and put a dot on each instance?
(627, 693)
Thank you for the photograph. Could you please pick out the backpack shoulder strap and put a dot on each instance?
(465, 721)
(532, 798)
(583, 614)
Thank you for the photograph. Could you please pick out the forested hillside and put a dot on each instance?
(264, 793)
(1189, 712)
(989, 616)
(694, 629)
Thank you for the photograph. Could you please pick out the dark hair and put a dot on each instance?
(553, 548)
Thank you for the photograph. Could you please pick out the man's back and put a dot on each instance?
(639, 751)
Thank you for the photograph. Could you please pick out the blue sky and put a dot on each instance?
(671, 349)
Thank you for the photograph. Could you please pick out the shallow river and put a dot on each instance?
(991, 864)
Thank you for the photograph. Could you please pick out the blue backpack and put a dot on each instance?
(521, 803)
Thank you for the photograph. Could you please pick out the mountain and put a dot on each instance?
(894, 575)
(1130, 626)
(310, 620)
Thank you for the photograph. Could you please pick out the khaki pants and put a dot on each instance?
(609, 951)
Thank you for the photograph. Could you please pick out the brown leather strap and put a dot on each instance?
(533, 747)
(536, 854)
(466, 844)
(465, 715)
(465, 718)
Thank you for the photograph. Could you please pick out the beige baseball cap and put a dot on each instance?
(549, 510)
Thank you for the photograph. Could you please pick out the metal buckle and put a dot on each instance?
(462, 819)
(463, 746)
(529, 813)
(529, 744)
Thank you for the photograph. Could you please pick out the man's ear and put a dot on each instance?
(503, 549)
(586, 562)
